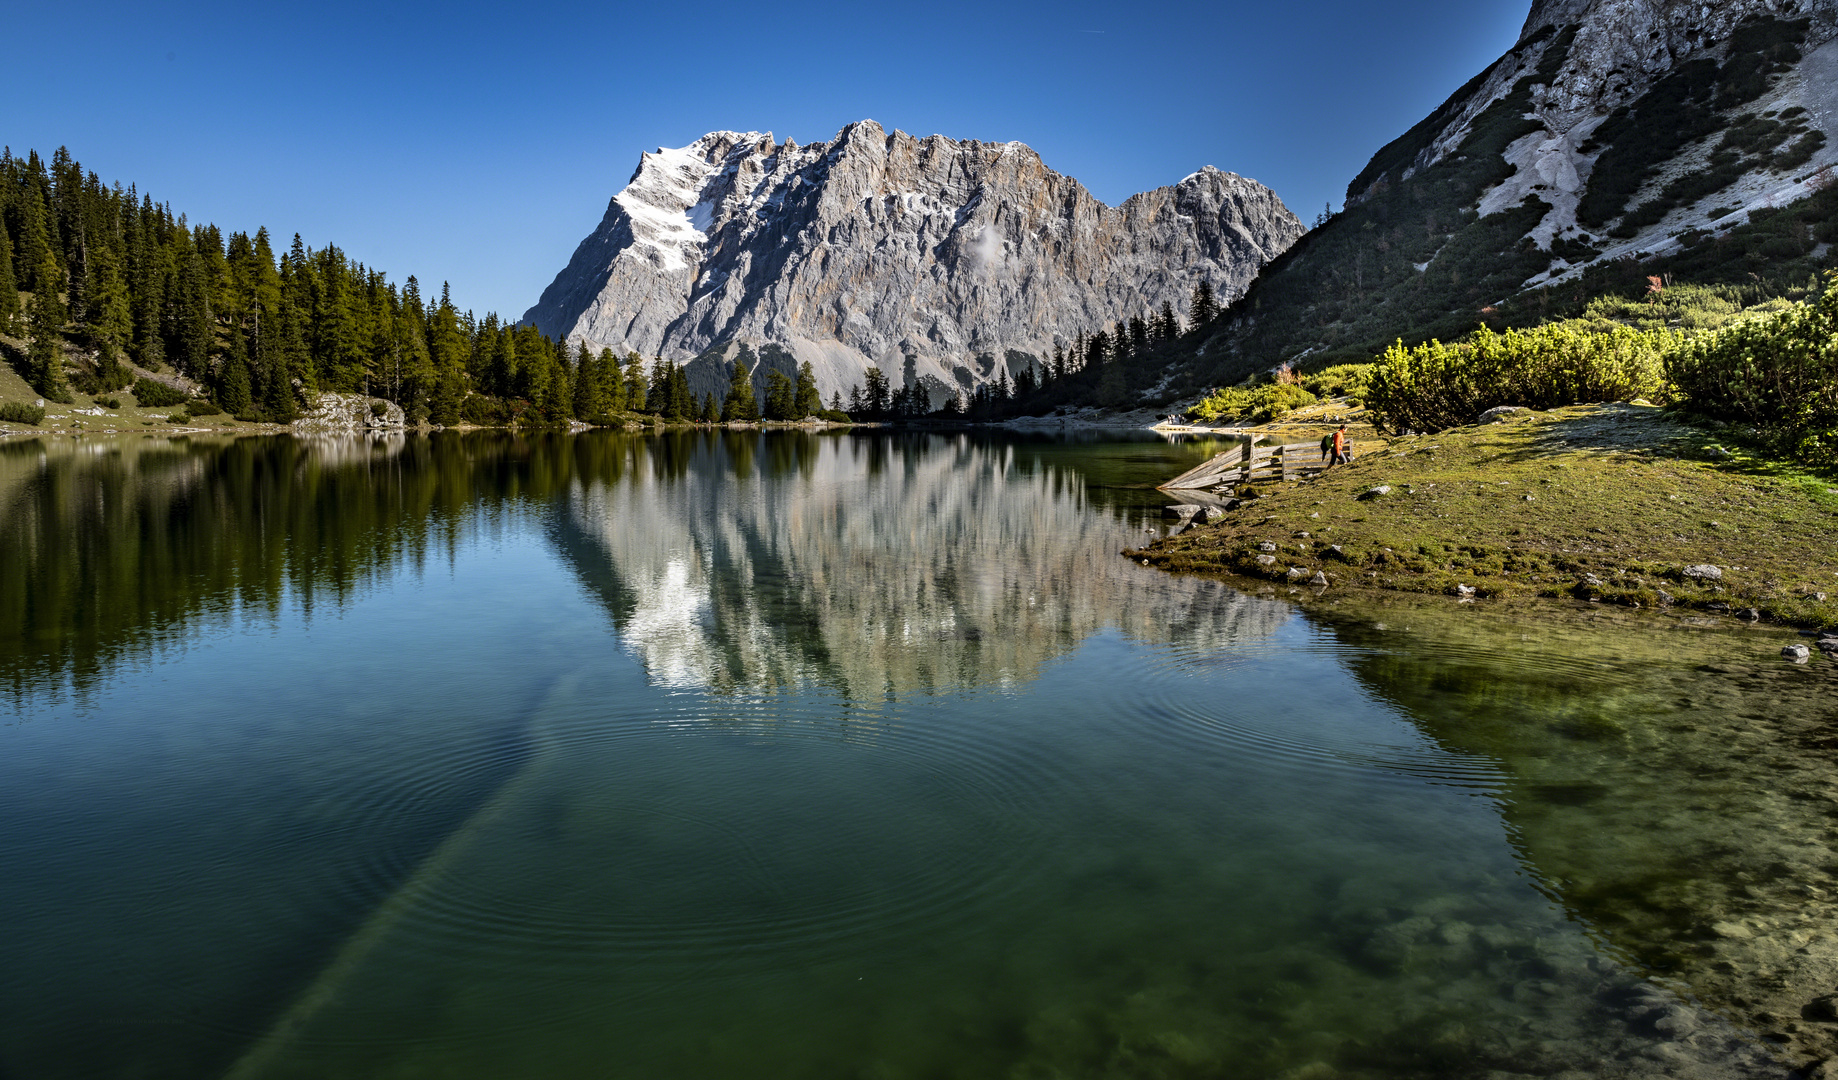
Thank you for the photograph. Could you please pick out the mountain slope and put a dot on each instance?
(927, 257)
(1617, 138)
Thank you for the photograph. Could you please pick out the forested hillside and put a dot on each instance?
(95, 278)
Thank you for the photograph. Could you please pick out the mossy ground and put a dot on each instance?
(1598, 502)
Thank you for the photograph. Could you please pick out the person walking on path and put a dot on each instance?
(1340, 447)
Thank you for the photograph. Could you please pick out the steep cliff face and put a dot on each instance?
(1616, 139)
(914, 255)
(1648, 119)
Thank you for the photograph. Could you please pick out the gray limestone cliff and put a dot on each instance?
(929, 258)
(1612, 60)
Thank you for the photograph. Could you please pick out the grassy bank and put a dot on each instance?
(1598, 502)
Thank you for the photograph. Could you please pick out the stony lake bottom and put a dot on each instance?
(852, 755)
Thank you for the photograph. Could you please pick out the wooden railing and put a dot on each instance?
(1245, 464)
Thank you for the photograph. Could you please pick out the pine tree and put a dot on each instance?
(740, 404)
(233, 383)
(45, 361)
(110, 315)
(877, 397)
(1205, 306)
(781, 396)
(9, 286)
(636, 386)
(613, 383)
(809, 400)
(1169, 325)
(711, 410)
(836, 401)
(193, 330)
(682, 404)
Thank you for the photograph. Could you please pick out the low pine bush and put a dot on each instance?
(1776, 372)
(12, 412)
(157, 395)
(1435, 386)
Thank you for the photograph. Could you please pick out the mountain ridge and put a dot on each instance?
(948, 263)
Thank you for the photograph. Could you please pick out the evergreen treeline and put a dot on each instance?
(1112, 366)
(97, 275)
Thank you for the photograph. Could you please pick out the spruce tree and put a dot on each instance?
(9, 286)
(194, 326)
(682, 406)
(585, 385)
(45, 361)
(1204, 306)
(711, 410)
(637, 387)
(781, 396)
(614, 389)
(740, 403)
(1169, 325)
(810, 401)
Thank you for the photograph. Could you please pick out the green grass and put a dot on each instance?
(1605, 502)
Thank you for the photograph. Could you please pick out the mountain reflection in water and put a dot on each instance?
(943, 564)
(850, 755)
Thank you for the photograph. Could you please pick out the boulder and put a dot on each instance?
(1799, 654)
(1501, 412)
(1464, 591)
(1183, 511)
(1296, 572)
(1703, 572)
(1266, 560)
(1320, 578)
(1375, 493)
(1266, 546)
(1750, 614)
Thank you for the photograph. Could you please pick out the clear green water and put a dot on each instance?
(847, 756)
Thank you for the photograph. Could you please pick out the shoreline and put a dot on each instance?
(1615, 504)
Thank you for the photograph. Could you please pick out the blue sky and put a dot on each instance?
(478, 144)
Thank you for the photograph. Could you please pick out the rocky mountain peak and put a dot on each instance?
(950, 262)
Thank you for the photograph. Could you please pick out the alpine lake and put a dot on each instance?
(852, 755)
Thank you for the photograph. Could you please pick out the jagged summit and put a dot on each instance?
(950, 260)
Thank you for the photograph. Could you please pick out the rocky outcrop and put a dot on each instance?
(332, 414)
(936, 260)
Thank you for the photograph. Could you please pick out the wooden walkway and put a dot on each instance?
(1245, 463)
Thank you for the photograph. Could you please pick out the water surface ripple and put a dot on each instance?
(849, 755)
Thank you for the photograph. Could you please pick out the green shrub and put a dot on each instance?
(109, 402)
(1776, 371)
(1435, 386)
(1349, 379)
(1262, 403)
(12, 412)
(157, 395)
(203, 407)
